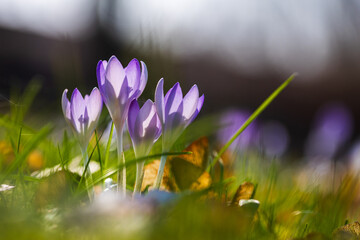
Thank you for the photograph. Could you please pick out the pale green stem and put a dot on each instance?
(121, 180)
(88, 176)
(139, 177)
(108, 145)
(160, 172)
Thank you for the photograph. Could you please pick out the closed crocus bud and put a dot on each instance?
(119, 86)
(144, 127)
(82, 114)
(175, 111)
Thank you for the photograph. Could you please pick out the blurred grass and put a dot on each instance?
(55, 205)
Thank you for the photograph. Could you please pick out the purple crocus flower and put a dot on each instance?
(145, 128)
(176, 113)
(119, 86)
(82, 113)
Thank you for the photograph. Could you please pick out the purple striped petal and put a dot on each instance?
(190, 102)
(159, 100)
(115, 74)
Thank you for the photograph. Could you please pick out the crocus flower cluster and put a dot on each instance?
(119, 89)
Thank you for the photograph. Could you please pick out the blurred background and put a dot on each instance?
(236, 51)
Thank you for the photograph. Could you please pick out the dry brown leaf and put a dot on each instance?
(313, 236)
(150, 173)
(244, 191)
(203, 182)
(349, 231)
(187, 169)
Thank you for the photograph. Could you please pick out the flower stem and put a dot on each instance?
(121, 179)
(88, 176)
(160, 172)
(139, 177)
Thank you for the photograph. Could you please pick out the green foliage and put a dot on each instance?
(50, 202)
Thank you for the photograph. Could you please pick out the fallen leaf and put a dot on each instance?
(349, 231)
(244, 192)
(150, 173)
(313, 236)
(188, 170)
(203, 182)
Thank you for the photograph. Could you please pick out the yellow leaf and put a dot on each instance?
(150, 173)
(244, 192)
(349, 231)
(189, 169)
(203, 182)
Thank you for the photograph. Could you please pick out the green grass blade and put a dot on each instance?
(107, 151)
(253, 116)
(32, 144)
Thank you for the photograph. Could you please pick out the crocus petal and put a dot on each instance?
(190, 102)
(174, 99)
(198, 108)
(159, 100)
(65, 104)
(159, 127)
(115, 74)
(143, 118)
(109, 96)
(133, 75)
(133, 112)
(143, 77)
(94, 105)
(100, 72)
(77, 109)
(153, 129)
(124, 93)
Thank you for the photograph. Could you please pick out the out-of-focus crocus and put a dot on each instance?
(333, 127)
(118, 87)
(176, 113)
(145, 128)
(83, 115)
(232, 120)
